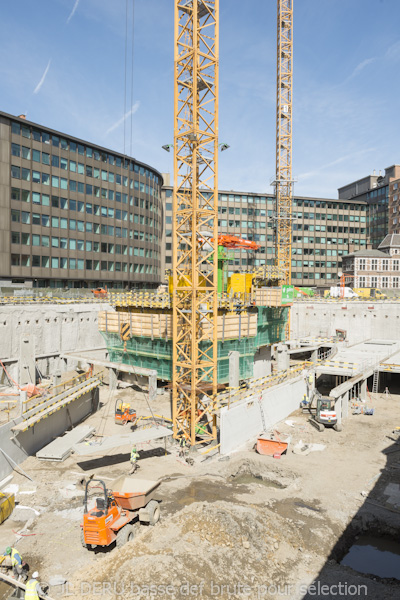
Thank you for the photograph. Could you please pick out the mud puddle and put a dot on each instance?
(374, 556)
(247, 479)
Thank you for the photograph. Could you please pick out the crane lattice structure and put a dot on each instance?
(195, 217)
(283, 181)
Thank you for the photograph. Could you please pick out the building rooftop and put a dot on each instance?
(392, 239)
(367, 254)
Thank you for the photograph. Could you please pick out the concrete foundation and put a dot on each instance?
(27, 443)
(52, 328)
(234, 369)
(27, 367)
(282, 357)
(361, 320)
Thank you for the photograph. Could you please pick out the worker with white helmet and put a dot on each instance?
(33, 589)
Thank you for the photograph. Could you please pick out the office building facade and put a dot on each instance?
(323, 231)
(75, 214)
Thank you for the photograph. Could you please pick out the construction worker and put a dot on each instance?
(33, 589)
(182, 447)
(133, 459)
(16, 561)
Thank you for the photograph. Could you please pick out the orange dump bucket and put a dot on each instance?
(271, 447)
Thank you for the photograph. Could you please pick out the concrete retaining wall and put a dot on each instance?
(243, 422)
(27, 443)
(54, 328)
(361, 323)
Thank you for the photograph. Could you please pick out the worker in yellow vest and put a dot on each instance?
(33, 589)
(16, 560)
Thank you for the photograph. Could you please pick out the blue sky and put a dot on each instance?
(63, 64)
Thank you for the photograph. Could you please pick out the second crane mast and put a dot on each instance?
(283, 179)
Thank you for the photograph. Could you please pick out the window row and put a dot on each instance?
(55, 262)
(80, 206)
(59, 142)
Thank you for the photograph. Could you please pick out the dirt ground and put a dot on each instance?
(244, 526)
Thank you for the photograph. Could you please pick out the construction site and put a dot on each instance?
(220, 436)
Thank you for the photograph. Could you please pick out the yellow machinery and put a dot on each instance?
(370, 293)
(7, 504)
(240, 283)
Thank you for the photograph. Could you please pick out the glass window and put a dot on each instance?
(45, 158)
(45, 261)
(36, 155)
(89, 171)
(72, 224)
(55, 182)
(45, 179)
(55, 161)
(54, 222)
(35, 260)
(26, 132)
(15, 237)
(80, 245)
(25, 239)
(89, 152)
(45, 221)
(35, 198)
(54, 262)
(25, 218)
(15, 172)
(56, 141)
(15, 150)
(63, 183)
(16, 128)
(55, 242)
(81, 149)
(64, 263)
(35, 176)
(81, 263)
(35, 239)
(72, 263)
(64, 164)
(63, 223)
(26, 153)
(72, 147)
(63, 144)
(63, 243)
(72, 166)
(81, 169)
(72, 244)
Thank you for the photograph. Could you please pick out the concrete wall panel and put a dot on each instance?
(243, 422)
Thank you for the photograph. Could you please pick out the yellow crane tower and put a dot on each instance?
(283, 177)
(195, 215)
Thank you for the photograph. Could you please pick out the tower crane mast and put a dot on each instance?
(195, 211)
(283, 180)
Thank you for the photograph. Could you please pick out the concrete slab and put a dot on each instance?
(61, 448)
(115, 441)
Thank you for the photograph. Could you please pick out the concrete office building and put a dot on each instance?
(75, 214)
(323, 231)
(378, 191)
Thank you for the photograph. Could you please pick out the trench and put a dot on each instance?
(372, 555)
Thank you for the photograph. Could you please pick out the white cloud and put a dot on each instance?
(362, 66)
(41, 82)
(73, 11)
(337, 161)
(132, 111)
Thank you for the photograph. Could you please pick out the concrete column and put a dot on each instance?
(338, 409)
(345, 405)
(262, 362)
(112, 379)
(27, 370)
(363, 390)
(282, 357)
(65, 364)
(57, 378)
(153, 386)
(234, 357)
(22, 398)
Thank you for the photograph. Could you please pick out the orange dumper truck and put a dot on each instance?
(109, 515)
